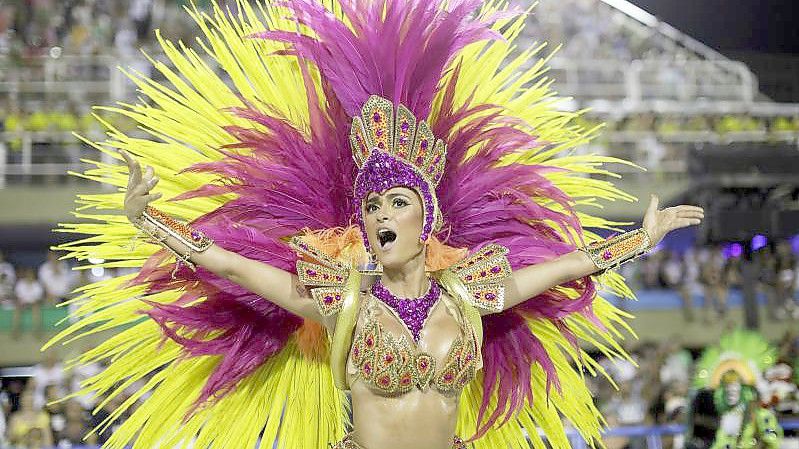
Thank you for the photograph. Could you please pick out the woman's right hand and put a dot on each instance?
(138, 194)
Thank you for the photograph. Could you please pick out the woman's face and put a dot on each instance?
(393, 221)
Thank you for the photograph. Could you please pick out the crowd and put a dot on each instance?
(653, 388)
(669, 124)
(588, 29)
(711, 272)
(659, 390)
(31, 28)
(26, 288)
(30, 419)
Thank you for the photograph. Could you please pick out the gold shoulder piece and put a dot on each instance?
(484, 274)
(325, 276)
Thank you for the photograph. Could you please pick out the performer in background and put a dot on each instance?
(733, 369)
(378, 202)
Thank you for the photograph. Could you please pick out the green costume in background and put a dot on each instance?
(733, 369)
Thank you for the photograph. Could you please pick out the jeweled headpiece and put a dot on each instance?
(394, 149)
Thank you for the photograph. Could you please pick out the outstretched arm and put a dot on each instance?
(280, 287)
(533, 280)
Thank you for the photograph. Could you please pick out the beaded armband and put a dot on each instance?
(484, 274)
(326, 276)
(193, 239)
(617, 250)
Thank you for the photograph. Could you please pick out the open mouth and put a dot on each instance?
(386, 238)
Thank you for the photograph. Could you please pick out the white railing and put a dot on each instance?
(636, 82)
(28, 155)
(76, 77)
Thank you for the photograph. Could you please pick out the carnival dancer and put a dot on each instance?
(376, 199)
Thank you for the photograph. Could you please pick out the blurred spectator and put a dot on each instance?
(8, 278)
(3, 438)
(56, 278)
(714, 283)
(55, 409)
(672, 274)
(50, 372)
(732, 272)
(767, 264)
(28, 418)
(786, 272)
(10, 395)
(650, 270)
(80, 373)
(76, 426)
(30, 295)
(690, 286)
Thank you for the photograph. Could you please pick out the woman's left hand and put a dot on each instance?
(658, 223)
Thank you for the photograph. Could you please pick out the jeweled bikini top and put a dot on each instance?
(475, 284)
(393, 365)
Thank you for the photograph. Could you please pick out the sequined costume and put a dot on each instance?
(317, 104)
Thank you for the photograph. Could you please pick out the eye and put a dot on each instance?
(400, 202)
(371, 208)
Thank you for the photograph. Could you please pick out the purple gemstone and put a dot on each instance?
(495, 270)
(491, 296)
(412, 311)
(376, 117)
(607, 255)
(381, 145)
(405, 126)
(403, 140)
(328, 300)
(311, 273)
(196, 235)
(424, 144)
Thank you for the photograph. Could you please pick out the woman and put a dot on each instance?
(29, 423)
(379, 421)
(383, 143)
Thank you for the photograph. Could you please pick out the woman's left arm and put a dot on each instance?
(533, 280)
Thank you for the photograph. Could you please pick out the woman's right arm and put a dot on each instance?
(278, 286)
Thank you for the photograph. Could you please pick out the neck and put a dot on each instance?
(408, 280)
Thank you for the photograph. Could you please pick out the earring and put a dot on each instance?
(373, 266)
